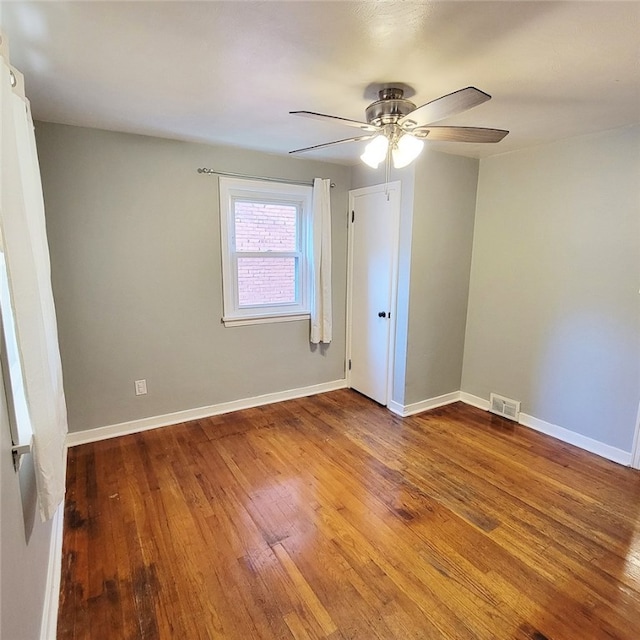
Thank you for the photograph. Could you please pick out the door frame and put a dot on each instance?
(389, 188)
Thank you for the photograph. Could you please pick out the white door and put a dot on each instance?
(373, 240)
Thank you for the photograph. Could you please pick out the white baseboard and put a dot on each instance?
(424, 405)
(553, 430)
(396, 407)
(49, 624)
(474, 401)
(577, 439)
(635, 459)
(154, 422)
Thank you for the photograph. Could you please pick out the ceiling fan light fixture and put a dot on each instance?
(406, 150)
(376, 151)
(402, 125)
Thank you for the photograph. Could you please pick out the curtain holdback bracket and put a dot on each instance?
(18, 450)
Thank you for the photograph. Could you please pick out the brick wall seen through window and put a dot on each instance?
(265, 228)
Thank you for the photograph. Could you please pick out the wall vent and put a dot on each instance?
(504, 407)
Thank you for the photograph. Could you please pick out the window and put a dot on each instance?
(19, 420)
(265, 239)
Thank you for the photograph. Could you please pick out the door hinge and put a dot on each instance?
(353, 216)
(349, 364)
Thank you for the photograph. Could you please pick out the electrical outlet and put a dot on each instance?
(141, 387)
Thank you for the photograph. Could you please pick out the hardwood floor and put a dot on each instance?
(329, 517)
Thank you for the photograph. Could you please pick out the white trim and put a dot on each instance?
(396, 407)
(395, 268)
(423, 405)
(474, 401)
(560, 433)
(281, 317)
(577, 439)
(154, 422)
(635, 458)
(49, 624)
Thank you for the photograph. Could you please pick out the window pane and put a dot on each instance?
(266, 281)
(261, 226)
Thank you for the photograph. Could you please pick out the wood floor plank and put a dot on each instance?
(331, 518)
(304, 589)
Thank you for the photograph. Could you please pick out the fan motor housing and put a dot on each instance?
(390, 107)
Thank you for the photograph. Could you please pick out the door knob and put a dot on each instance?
(382, 314)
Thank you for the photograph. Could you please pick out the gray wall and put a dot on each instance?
(25, 543)
(135, 254)
(554, 310)
(444, 207)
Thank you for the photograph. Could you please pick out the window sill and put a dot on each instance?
(241, 322)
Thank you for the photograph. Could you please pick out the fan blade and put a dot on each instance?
(444, 107)
(328, 144)
(460, 134)
(322, 116)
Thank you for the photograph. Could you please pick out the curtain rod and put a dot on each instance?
(267, 179)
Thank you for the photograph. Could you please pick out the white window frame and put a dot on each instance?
(300, 196)
(17, 409)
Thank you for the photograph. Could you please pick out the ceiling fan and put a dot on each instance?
(394, 122)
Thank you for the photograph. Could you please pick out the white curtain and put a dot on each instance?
(321, 262)
(24, 240)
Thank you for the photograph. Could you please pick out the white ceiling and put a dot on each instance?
(229, 72)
